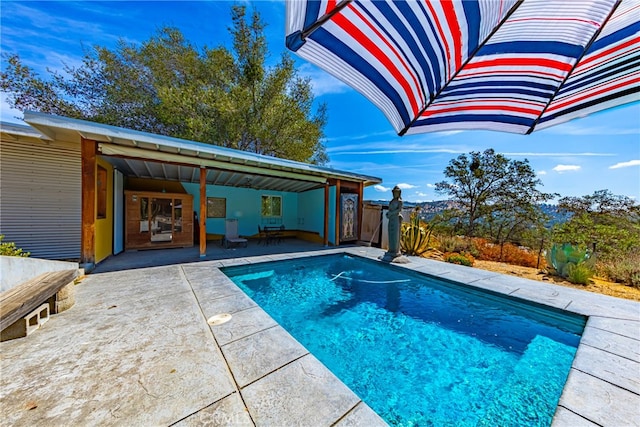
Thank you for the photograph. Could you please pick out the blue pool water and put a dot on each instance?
(418, 350)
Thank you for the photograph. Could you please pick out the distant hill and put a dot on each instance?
(429, 209)
(556, 216)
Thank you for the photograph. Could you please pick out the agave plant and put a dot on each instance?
(415, 236)
(564, 258)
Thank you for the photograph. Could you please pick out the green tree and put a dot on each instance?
(516, 222)
(608, 221)
(493, 194)
(167, 86)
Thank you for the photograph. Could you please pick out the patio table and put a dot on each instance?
(273, 234)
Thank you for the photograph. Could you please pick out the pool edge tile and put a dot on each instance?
(277, 399)
(598, 401)
(256, 356)
(361, 415)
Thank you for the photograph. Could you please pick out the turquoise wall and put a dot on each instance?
(311, 211)
(244, 204)
(300, 211)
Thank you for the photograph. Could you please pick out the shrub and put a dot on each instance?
(579, 273)
(513, 254)
(454, 244)
(624, 269)
(9, 249)
(509, 253)
(459, 258)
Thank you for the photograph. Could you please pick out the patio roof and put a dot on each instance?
(147, 155)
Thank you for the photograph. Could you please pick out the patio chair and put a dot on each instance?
(231, 233)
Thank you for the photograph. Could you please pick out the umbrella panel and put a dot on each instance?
(506, 66)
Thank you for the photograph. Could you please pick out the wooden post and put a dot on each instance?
(203, 212)
(326, 214)
(88, 185)
(360, 208)
(337, 221)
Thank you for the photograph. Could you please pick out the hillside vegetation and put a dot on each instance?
(495, 213)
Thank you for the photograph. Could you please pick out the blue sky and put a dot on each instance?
(601, 151)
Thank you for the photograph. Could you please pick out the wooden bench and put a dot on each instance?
(25, 307)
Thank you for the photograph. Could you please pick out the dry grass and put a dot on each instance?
(596, 285)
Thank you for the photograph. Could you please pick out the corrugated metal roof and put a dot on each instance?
(149, 155)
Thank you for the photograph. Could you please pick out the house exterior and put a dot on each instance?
(74, 189)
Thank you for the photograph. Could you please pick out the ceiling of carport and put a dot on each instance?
(146, 155)
(171, 172)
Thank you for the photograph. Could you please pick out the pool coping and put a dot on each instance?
(249, 370)
(603, 386)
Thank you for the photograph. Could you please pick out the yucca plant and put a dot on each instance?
(416, 235)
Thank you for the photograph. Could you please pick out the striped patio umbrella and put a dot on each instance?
(504, 65)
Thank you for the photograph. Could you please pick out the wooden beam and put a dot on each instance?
(337, 221)
(88, 150)
(203, 212)
(360, 207)
(326, 214)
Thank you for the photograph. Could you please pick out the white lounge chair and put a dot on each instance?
(231, 233)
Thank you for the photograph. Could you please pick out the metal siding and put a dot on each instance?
(40, 204)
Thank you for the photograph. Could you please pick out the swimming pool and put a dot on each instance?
(420, 350)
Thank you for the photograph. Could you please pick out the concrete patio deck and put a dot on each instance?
(136, 349)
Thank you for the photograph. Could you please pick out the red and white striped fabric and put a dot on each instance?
(505, 65)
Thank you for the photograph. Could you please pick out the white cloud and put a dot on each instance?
(431, 186)
(388, 133)
(566, 168)
(559, 154)
(389, 143)
(421, 194)
(323, 83)
(389, 146)
(392, 151)
(542, 172)
(381, 188)
(405, 186)
(625, 164)
(578, 128)
(448, 132)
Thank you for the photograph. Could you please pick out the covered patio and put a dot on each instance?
(215, 252)
(148, 191)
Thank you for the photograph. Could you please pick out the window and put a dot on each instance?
(271, 206)
(101, 192)
(216, 207)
